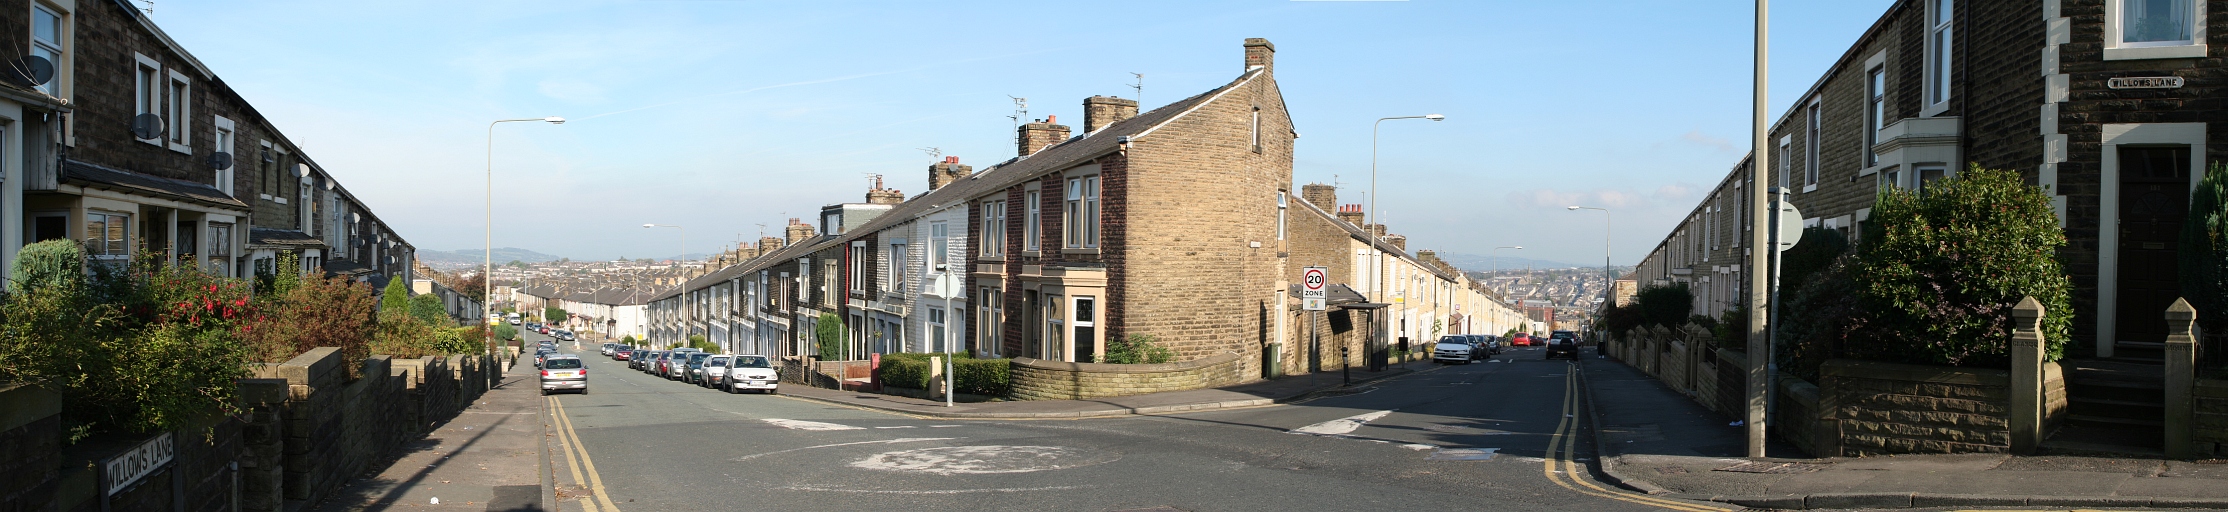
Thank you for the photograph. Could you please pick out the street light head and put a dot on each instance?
(1435, 117)
(1518, 247)
(649, 225)
(554, 120)
(1573, 208)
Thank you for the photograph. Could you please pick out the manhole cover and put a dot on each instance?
(1463, 454)
(1771, 468)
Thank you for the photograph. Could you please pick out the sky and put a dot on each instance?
(725, 116)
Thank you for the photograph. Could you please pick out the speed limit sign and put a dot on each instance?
(1313, 281)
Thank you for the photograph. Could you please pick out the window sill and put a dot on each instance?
(1080, 251)
(1032, 254)
(1935, 109)
(181, 148)
(2194, 51)
(1810, 188)
(152, 142)
(279, 200)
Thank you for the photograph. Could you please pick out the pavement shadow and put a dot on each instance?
(381, 494)
(1639, 415)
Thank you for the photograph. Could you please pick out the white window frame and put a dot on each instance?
(123, 246)
(938, 338)
(1071, 213)
(1786, 161)
(1282, 206)
(992, 308)
(1941, 40)
(227, 135)
(1032, 232)
(2115, 49)
(1815, 130)
(1091, 211)
(858, 269)
(178, 112)
(993, 229)
(147, 90)
(1254, 132)
(1875, 110)
(59, 49)
(894, 266)
(939, 245)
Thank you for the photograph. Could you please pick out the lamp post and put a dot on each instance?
(1497, 257)
(487, 265)
(1758, 239)
(683, 285)
(1371, 216)
(1605, 279)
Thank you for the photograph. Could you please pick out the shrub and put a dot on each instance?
(828, 332)
(428, 308)
(626, 340)
(1817, 250)
(1136, 349)
(504, 332)
(986, 377)
(2204, 250)
(1732, 328)
(1820, 321)
(1938, 280)
(904, 372)
(1619, 320)
(696, 341)
(395, 299)
(1665, 305)
(306, 312)
(49, 263)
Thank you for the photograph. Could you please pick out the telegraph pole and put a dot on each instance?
(1758, 346)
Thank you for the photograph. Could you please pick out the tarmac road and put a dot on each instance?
(1490, 435)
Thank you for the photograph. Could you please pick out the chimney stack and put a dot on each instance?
(947, 172)
(1399, 242)
(798, 231)
(1260, 54)
(769, 244)
(1042, 134)
(881, 195)
(1351, 213)
(1320, 195)
(1100, 111)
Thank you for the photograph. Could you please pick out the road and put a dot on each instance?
(1454, 437)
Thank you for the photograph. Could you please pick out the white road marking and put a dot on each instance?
(942, 426)
(884, 441)
(809, 425)
(900, 426)
(936, 491)
(1419, 447)
(954, 460)
(1341, 426)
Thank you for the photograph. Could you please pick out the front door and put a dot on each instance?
(2154, 199)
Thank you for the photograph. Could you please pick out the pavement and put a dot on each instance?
(1253, 394)
(1658, 441)
(489, 457)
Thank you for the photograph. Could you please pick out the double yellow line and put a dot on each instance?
(1565, 439)
(570, 442)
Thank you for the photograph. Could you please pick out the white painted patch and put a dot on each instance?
(954, 460)
(883, 441)
(1341, 426)
(900, 426)
(1419, 447)
(942, 426)
(809, 425)
(935, 491)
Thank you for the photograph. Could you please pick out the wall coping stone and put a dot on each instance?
(262, 391)
(1194, 364)
(1916, 373)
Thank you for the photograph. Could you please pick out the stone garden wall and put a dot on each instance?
(1036, 379)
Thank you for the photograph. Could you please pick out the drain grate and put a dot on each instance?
(1771, 468)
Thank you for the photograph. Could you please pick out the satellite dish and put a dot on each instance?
(30, 71)
(147, 126)
(220, 160)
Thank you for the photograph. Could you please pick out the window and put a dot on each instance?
(993, 228)
(107, 235)
(896, 267)
(1281, 207)
(220, 248)
(1055, 330)
(178, 112)
(858, 267)
(1081, 220)
(266, 168)
(1810, 146)
(1086, 330)
(1786, 161)
(1876, 111)
(147, 88)
(2154, 23)
(1033, 230)
(991, 308)
(1926, 175)
(937, 245)
(46, 42)
(1256, 129)
(936, 330)
(1939, 40)
(224, 131)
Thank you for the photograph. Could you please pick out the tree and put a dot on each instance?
(553, 314)
(1665, 306)
(626, 340)
(2204, 250)
(395, 300)
(429, 309)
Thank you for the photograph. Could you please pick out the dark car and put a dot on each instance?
(692, 370)
(1564, 343)
(1487, 346)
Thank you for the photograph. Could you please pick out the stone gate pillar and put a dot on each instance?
(2026, 376)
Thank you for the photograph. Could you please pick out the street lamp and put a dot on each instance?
(683, 286)
(1371, 217)
(1607, 283)
(487, 266)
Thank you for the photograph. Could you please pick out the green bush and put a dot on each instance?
(49, 263)
(504, 332)
(626, 340)
(2204, 250)
(1817, 250)
(828, 332)
(1136, 349)
(904, 372)
(1732, 328)
(1818, 321)
(1664, 306)
(1940, 273)
(428, 308)
(986, 377)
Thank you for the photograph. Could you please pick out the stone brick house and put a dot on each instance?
(2115, 107)
(135, 146)
(1426, 297)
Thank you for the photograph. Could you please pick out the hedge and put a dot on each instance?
(987, 377)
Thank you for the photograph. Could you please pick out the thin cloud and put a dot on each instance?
(1696, 137)
(819, 81)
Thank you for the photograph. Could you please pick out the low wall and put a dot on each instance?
(2211, 425)
(1876, 408)
(30, 445)
(1036, 379)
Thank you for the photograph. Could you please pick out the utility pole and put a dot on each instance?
(1758, 345)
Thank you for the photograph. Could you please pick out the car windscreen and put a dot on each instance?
(697, 357)
(716, 362)
(752, 362)
(562, 364)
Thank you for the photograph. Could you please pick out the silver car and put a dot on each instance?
(564, 372)
(715, 371)
(746, 373)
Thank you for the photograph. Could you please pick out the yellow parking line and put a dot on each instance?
(571, 462)
(1564, 438)
(572, 439)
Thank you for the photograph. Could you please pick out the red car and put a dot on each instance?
(1521, 340)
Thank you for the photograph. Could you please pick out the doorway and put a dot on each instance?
(2153, 202)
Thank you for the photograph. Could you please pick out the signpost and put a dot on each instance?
(1314, 296)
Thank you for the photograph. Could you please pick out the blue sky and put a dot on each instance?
(721, 115)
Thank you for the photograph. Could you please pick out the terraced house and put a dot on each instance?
(132, 145)
(2114, 107)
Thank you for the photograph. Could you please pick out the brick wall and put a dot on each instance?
(1887, 408)
(30, 446)
(2212, 418)
(1036, 379)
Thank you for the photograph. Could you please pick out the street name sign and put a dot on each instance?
(1314, 288)
(2144, 82)
(127, 468)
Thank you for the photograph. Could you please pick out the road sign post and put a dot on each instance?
(1312, 298)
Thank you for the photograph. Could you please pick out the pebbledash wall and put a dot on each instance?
(1037, 379)
(309, 428)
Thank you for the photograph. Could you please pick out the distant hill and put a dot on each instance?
(1480, 263)
(472, 256)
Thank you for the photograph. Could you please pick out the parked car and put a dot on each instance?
(656, 366)
(563, 335)
(1520, 340)
(608, 348)
(1491, 344)
(564, 371)
(541, 355)
(672, 365)
(747, 373)
(636, 359)
(623, 353)
(1564, 343)
(1453, 348)
(692, 369)
(715, 371)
